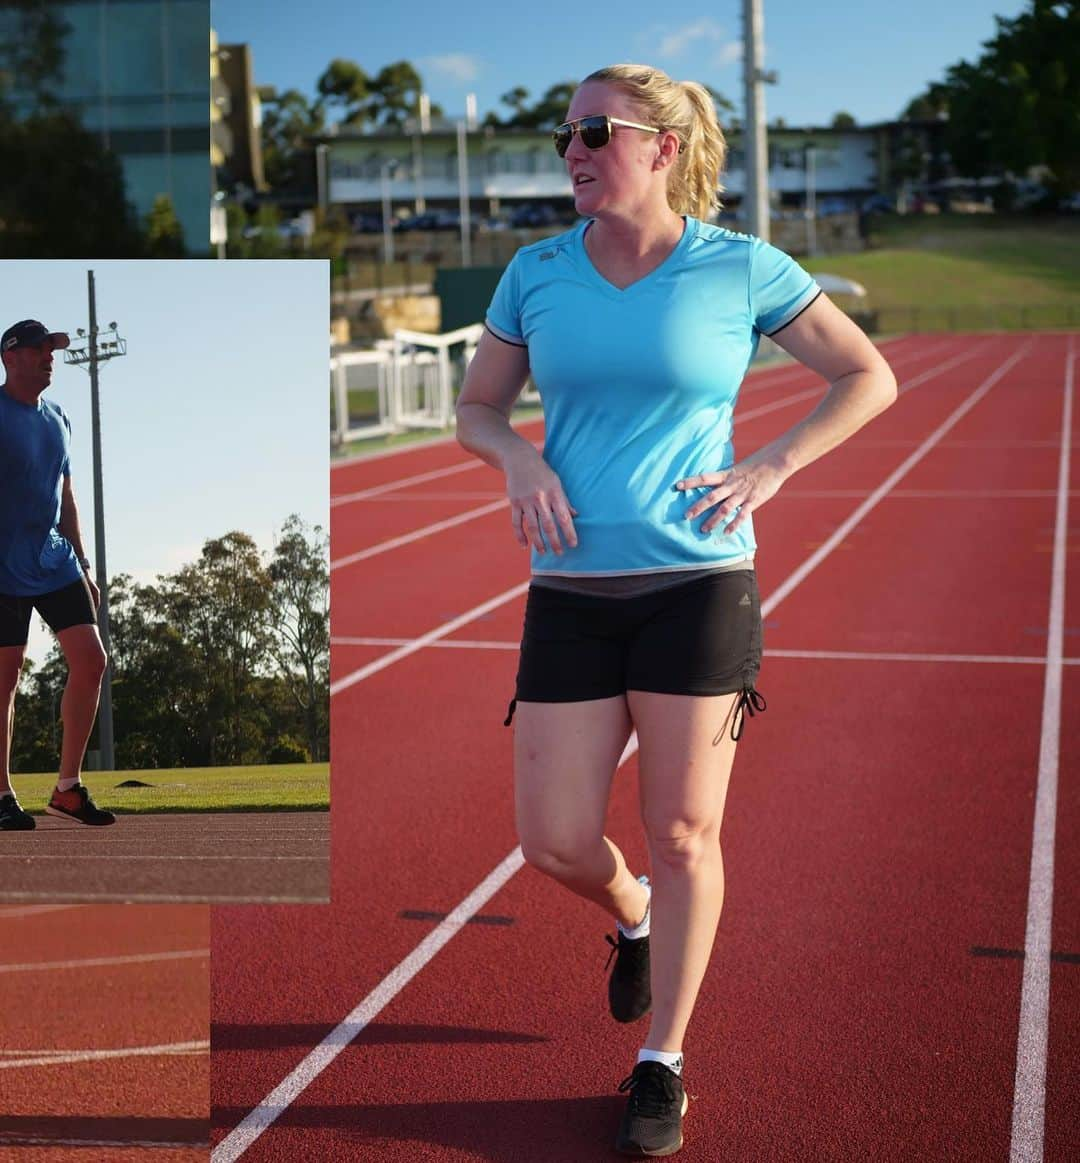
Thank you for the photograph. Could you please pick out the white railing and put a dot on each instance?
(411, 376)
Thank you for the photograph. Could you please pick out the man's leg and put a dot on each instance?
(11, 662)
(86, 661)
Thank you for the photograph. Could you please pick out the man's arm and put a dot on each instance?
(69, 528)
(69, 522)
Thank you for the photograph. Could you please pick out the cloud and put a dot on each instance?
(458, 66)
(701, 32)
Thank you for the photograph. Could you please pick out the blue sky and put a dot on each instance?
(215, 420)
(867, 58)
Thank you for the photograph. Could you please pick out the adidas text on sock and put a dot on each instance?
(674, 1062)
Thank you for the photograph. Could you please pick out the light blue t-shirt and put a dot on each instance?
(34, 444)
(639, 385)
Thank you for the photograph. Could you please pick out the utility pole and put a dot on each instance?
(95, 351)
(755, 144)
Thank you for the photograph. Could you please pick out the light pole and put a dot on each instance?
(99, 347)
(811, 199)
(385, 173)
(463, 177)
(423, 125)
(321, 176)
(756, 147)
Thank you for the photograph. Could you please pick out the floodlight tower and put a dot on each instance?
(757, 154)
(98, 348)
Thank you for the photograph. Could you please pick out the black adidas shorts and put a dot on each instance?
(702, 637)
(61, 609)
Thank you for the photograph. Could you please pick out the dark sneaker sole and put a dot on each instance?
(634, 1149)
(63, 815)
(19, 827)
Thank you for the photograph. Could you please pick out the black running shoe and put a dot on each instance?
(12, 817)
(652, 1123)
(629, 990)
(76, 804)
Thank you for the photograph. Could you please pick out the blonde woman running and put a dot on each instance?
(638, 326)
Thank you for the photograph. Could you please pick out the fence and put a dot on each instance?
(407, 382)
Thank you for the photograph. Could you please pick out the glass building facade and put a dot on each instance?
(136, 72)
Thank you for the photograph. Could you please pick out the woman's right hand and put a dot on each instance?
(538, 504)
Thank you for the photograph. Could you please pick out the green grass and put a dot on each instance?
(292, 787)
(967, 270)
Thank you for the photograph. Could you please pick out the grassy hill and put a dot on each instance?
(967, 270)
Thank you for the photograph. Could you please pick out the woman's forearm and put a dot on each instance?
(487, 433)
(852, 401)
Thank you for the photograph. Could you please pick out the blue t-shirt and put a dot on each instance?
(639, 385)
(34, 443)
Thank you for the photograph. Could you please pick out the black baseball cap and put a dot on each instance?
(31, 333)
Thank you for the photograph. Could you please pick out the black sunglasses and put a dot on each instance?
(595, 132)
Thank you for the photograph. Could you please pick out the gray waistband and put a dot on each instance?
(632, 585)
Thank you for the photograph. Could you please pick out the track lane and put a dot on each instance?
(448, 750)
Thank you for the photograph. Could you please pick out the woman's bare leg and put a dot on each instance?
(565, 756)
(685, 757)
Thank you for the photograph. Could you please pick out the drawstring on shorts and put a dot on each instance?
(510, 713)
(749, 702)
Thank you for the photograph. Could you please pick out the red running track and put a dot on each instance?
(865, 993)
(104, 1033)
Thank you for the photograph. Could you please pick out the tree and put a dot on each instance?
(32, 54)
(344, 86)
(289, 120)
(843, 121)
(395, 95)
(300, 620)
(164, 234)
(63, 194)
(1016, 106)
(219, 606)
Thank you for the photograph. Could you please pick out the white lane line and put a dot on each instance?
(67, 1057)
(159, 898)
(417, 534)
(1029, 1091)
(94, 962)
(314, 1063)
(432, 636)
(840, 655)
(876, 497)
(271, 858)
(152, 1144)
(10, 912)
(7, 1140)
(404, 482)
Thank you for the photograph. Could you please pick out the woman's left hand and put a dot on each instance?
(745, 487)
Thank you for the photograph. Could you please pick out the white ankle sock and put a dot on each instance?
(67, 784)
(641, 929)
(674, 1062)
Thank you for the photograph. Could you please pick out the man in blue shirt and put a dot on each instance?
(43, 566)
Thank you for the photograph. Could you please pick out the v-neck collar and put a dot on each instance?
(638, 284)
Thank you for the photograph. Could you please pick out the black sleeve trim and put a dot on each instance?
(770, 334)
(508, 342)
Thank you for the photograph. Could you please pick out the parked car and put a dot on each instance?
(366, 223)
(533, 216)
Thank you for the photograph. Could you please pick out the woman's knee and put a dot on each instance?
(561, 858)
(684, 845)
